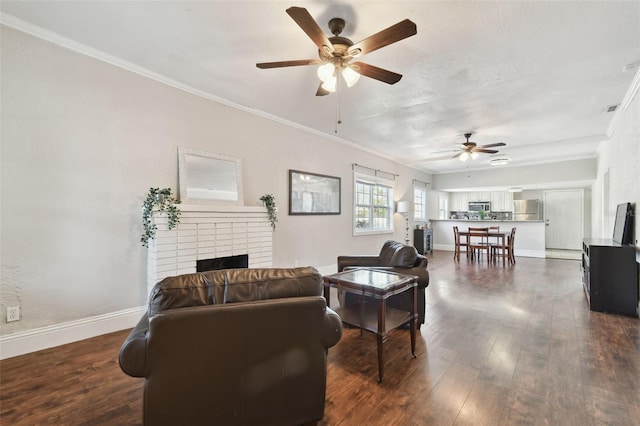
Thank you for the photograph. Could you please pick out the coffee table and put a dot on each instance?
(371, 312)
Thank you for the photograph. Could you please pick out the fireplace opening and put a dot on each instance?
(228, 262)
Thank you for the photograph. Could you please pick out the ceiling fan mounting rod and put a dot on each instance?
(336, 25)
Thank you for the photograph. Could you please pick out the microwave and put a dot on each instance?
(479, 206)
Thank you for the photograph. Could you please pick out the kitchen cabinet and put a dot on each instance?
(479, 196)
(501, 201)
(459, 201)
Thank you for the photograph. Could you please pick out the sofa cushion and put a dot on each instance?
(233, 285)
(405, 256)
(387, 252)
(397, 255)
(178, 292)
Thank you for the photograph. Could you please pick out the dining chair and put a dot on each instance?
(459, 244)
(498, 252)
(495, 229)
(479, 242)
(511, 245)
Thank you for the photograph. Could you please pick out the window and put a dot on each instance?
(373, 205)
(442, 207)
(419, 203)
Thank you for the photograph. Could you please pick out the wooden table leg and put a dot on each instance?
(414, 322)
(381, 336)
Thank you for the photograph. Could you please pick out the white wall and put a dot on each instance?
(82, 142)
(621, 156)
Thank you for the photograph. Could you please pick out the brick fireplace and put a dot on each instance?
(207, 232)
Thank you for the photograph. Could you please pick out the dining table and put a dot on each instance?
(500, 238)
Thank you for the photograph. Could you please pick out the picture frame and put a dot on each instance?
(313, 194)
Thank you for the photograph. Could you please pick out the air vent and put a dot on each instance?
(612, 108)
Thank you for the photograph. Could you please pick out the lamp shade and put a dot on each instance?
(403, 207)
(350, 76)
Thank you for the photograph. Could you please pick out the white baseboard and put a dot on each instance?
(25, 342)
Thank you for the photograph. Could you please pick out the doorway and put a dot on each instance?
(564, 219)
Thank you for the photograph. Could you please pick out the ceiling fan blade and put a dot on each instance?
(448, 150)
(280, 64)
(394, 33)
(377, 73)
(491, 145)
(486, 151)
(305, 21)
(322, 91)
(428, 160)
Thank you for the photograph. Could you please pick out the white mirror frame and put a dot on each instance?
(208, 171)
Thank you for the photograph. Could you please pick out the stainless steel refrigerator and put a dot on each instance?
(526, 210)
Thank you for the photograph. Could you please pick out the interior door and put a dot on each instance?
(563, 213)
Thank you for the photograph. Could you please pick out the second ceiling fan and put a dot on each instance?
(336, 53)
(469, 150)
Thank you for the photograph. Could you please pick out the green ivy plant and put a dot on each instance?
(160, 200)
(269, 202)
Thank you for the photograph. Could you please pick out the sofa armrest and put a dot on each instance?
(344, 261)
(133, 353)
(422, 262)
(333, 328)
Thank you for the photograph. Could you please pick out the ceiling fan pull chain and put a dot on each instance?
(338, 118)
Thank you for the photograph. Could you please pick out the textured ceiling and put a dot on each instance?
(537, 76)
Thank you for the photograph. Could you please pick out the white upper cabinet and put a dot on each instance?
(479, 196)
(459, 201)
(501, 201)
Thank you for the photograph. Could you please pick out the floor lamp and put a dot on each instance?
(403, 208)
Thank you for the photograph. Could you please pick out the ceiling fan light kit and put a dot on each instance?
(336, 53)
(328, 75)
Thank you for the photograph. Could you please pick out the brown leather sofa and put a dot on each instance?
(396, 257)
(234, 347)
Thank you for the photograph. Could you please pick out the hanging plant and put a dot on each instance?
(269, 202)
(160, 200)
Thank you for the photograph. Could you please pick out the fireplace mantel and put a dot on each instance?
(208, 231)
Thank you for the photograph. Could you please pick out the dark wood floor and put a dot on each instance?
(501, 346)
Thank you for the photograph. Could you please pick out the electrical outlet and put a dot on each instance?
(13, 313)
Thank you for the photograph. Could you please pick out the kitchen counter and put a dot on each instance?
(530, 234)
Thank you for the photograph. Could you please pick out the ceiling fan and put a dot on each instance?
(468, 150)
(337, 53)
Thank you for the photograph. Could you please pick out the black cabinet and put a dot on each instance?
(610, 276)
(423, 240)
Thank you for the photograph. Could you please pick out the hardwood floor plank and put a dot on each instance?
(500, 346)
(485, 405)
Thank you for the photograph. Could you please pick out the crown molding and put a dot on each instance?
(55, 38)
(624, 105)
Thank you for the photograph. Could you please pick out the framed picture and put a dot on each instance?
(311, 193)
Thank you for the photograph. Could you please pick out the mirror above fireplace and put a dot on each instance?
(207, 178)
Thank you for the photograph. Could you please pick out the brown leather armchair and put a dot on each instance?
(234, 347)
(396, 257)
